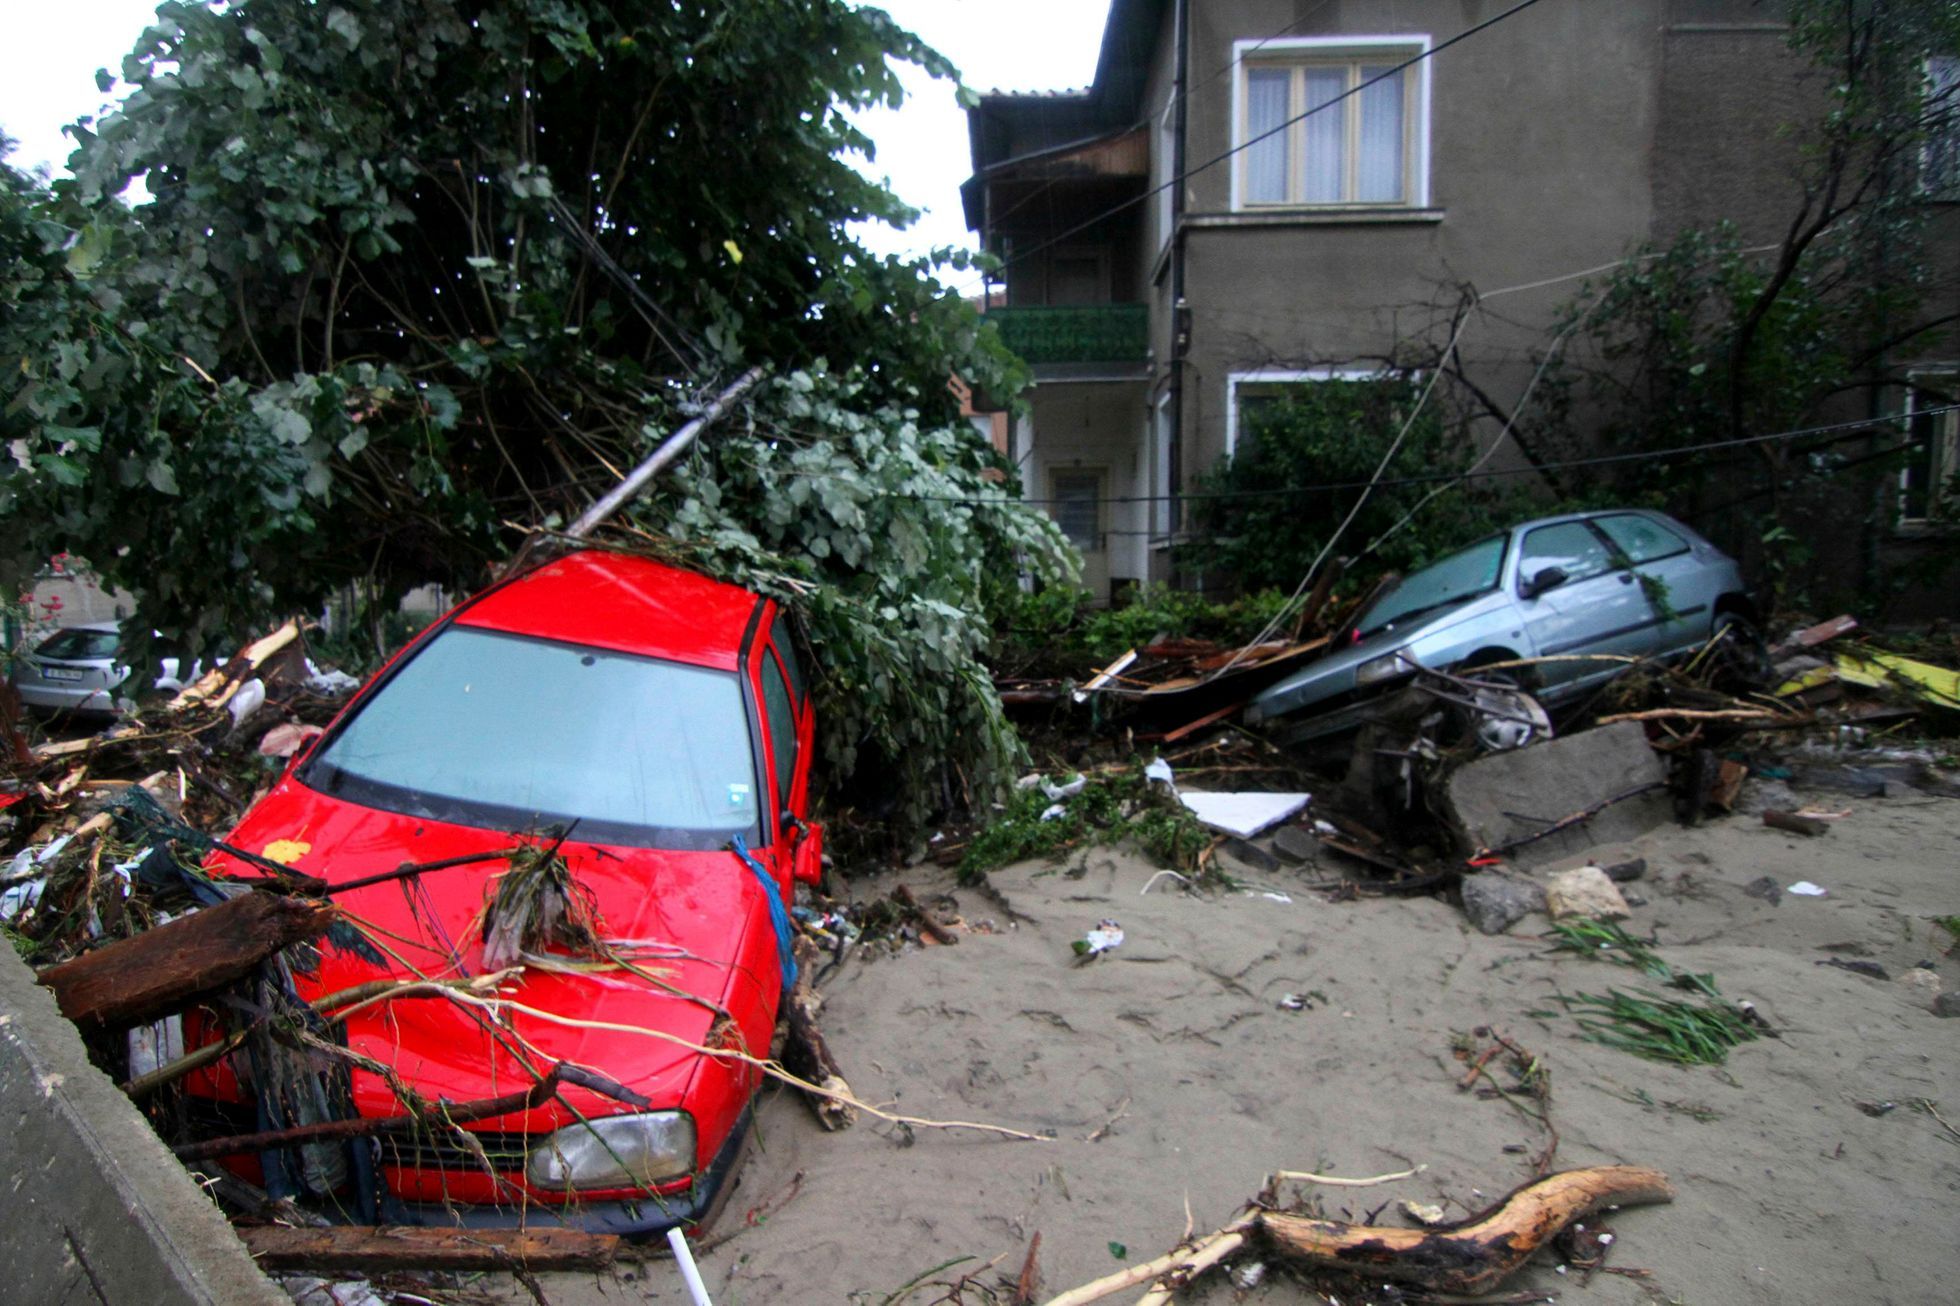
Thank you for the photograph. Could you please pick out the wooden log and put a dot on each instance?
(1476, 1255)
(1796, 824)
(806, 1054)
(367, 1249)
(939, 933)
(164, 970)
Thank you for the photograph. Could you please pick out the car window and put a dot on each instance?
(782, 725)
(509, 732)
(786, 650)
(1642, 539)
(1570, 546)
(77, 645)
(1462, 575)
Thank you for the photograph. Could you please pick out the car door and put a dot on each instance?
(787, 721)
(1676, 584)
(1598, 609)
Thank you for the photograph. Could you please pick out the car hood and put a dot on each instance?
(684, 914)
(1335, 674)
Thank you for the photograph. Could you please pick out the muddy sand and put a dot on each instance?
(1174, 1078)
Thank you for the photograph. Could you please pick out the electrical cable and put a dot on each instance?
(1125, 205)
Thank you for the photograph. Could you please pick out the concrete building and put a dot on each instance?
(1181, 243)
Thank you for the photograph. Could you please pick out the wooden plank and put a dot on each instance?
(164, 970)
(1796, 824)
(366, 1248)
(1210, 718)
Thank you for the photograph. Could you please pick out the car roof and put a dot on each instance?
(623, 603)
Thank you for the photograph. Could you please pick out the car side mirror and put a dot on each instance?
(1549, 578)
(806, 858)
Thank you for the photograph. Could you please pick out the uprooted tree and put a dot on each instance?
(417, 277)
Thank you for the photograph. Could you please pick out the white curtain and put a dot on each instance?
(1378, 174)
(1266, 98)
(1326, 135)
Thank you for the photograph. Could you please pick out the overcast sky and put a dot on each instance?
(53, 47)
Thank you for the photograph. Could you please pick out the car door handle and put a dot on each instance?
(1626, 578)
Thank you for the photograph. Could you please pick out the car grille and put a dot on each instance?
(425, 1150)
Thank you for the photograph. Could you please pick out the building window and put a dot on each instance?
(1247, 394)
(1929, 482)
(1331, 122)
(1077, 507)
(1939, 157)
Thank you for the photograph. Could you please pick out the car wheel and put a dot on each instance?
(1740, 655)
(1503, 715)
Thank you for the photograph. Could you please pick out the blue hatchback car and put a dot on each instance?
(1628, 582)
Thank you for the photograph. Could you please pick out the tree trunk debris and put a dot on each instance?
(926, 922)
(164, 970)
(805, 1052)
(1796, 823)
(1476, 1255)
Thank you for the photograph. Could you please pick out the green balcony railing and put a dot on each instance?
(1087, 333)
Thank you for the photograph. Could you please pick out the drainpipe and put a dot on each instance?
(1180, 319)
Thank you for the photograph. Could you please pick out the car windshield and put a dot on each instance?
(508, 732)
(78, 645)
(1460, 576)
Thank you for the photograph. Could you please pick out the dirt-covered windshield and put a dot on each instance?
(1462, 575)
(507, 732)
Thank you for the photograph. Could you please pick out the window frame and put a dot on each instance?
(1296, 53)
(1942, 509)
(1946, 143)
(1278, 377)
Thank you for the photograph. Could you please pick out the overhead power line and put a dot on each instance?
(1863, 425)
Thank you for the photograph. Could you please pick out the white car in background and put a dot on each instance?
(77, 670)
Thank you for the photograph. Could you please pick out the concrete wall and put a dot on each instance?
(98, 1209)
(1541, 136)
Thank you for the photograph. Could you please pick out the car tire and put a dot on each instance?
(1741, 655)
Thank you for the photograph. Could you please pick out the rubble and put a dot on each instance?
(1922, 987)
(1495, 900)
(1609, 779)
(1587, 893)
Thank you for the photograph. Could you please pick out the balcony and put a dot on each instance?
(1087, 333)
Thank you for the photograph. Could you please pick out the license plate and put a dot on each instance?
(61, 673)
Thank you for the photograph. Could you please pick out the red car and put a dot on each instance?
(652, 724)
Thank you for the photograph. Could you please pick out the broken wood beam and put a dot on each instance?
(807, 1055)
(1796, 823)
(367, 1249)
(1472, 1257)
(164, 970)
(939, 933)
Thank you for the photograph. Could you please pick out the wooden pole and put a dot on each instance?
(670, 449)
(365, 1249)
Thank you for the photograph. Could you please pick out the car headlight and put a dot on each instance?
(1385, 667)
(615, 1152)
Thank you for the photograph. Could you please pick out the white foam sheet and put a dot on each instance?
(1244, 814)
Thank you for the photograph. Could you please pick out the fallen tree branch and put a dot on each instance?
(1308, 1177)
(1567, 822)
(1477, 1254)
(1231, 1237)
(1707, 714)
